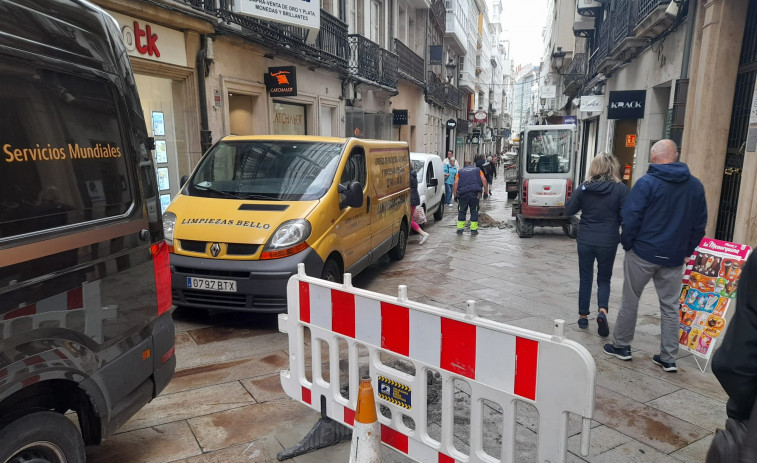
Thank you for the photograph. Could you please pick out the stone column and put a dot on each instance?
(746, 214)
(714, 64)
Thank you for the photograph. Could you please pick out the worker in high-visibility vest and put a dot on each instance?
(469, 182)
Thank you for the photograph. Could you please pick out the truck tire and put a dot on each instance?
(43, 437)
(331, 271)
(570, 229)
(439, 213)
(524, 228)
(398, 251)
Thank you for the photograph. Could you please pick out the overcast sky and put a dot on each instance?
(523, 21)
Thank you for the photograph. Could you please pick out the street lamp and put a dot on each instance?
(451, 66)
(558, 59)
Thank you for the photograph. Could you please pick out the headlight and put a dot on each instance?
(288, 234)
(169, 221)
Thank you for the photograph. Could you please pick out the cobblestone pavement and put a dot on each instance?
(225, 403)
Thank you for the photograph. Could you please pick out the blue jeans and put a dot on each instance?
(605, 258)
(448, 189)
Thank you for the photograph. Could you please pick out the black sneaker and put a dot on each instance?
(583, 323)
(667, 366)
(459, 231)
(474, 232)
(623, 353)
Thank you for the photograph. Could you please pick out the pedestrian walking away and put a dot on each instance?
(450, 172)
(600, 200)
(469, 183)
(664, 218)
(488, 169)
(415, 201)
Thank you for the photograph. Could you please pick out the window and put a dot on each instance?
(63, 154)
(429, 173)
(377, 22)
(354, 170)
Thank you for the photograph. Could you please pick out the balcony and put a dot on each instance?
(371, 64)
(588, 7)
(329, 50)
(466, 81)
(438, 16)
(435, 90)
(600, 61)
(624, 18)
(453, 97)
(410, 64)
(455, 31)
(575, 75)
(651, 20)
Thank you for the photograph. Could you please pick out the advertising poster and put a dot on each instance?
(163, 183)
(158, 124)
(161, 153)
(165, 200)
(709, 289)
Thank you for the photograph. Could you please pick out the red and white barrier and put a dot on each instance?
(501, 363)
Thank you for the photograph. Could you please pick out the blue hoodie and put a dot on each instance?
(665, 215)
(600, 203)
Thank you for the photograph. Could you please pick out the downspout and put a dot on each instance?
(206, 137)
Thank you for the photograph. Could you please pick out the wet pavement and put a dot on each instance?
(225, 403)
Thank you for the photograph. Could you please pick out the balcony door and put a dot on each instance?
(377, 22)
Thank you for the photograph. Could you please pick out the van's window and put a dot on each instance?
(549, 151)
(267, 170)
(355, 170)
(63, 155)
(430, 172)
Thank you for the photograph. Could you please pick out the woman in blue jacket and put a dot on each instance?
(600, 200)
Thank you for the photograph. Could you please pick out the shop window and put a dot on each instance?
(289, 119)
(64, 155)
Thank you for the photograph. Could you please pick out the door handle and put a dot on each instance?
(368, 204)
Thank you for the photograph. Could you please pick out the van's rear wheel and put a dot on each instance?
(41, 437)
(439, 212)
(398, 251)
(524, 228)
(331, 271)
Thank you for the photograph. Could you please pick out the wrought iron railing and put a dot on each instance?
(646, 7)
(438, 14)
(454, 97)
(575, 75)
(410, 64)
(435, 89)
(601, 44)
(624, 18)
(330, 47)
(371, 63)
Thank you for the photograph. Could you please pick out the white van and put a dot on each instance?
(430, 183)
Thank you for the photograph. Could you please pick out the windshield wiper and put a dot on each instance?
(220, 192)
(263, 197)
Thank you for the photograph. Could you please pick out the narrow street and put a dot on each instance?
(225, 403)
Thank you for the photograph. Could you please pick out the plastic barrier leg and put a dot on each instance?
(366, 435)
(324, 433)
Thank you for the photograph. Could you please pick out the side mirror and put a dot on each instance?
(351, 195)
(433, 182)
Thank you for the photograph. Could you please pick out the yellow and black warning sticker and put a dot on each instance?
(394, 392)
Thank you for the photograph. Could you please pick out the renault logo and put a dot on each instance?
(215, 249)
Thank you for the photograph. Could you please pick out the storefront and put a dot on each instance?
(165, 79)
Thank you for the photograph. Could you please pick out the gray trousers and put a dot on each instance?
(667, 283)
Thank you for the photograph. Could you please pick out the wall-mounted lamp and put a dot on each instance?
(558, 59)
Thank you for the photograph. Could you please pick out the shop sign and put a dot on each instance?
(480, 117)
(151, 41)
(451, 124)
(399, 116)
(435, 54)
(299, 13)
(281, 81)
(289, 119)
(548, 91)
(627, 104)
(631, 141)
(570, 120)
(592, 104)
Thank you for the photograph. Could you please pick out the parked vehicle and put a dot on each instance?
(85, 294)
(256, 207)
(545, 179)
(510, 167)
(430, 183)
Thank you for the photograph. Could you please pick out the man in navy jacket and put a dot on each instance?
(664, 218)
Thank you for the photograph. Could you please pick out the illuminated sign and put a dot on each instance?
(631, 141)
(281, 81)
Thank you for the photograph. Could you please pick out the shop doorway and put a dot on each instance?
(625, 147)
(240, 114)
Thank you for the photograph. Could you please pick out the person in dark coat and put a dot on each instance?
(469, 182)
(735, 362)
(415, 201)
(664, 218)
(600, 200)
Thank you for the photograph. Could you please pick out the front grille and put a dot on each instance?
(217, 299)
(236, 249)
(203, 272)
(193, 246)
(269, 302)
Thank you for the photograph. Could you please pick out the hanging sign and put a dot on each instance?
(399, 116)
(299, 13)
(592, 104)
(627, 104)
(281, 81)
(480, 117)
(707, 291)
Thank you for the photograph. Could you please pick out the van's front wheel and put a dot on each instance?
(43, 437)
(331, 271)
(398, 251)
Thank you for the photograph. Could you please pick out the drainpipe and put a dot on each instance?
(206, 136)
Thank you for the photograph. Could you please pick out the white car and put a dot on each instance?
(430, 183)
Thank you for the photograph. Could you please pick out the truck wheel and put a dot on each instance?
(398, 251)
(439, 212)
(331, 271)
(41, 437)
(524, 228)
(570, 229)
(512, 194)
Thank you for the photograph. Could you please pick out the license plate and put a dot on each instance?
(211, 284)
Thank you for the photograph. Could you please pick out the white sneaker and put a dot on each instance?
(424, 237)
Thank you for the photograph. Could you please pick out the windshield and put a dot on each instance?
(549, 151)
(418, 168)
(267, 170)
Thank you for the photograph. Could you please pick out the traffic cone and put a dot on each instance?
(366, 433)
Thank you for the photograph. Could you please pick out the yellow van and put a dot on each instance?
(256, 206)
